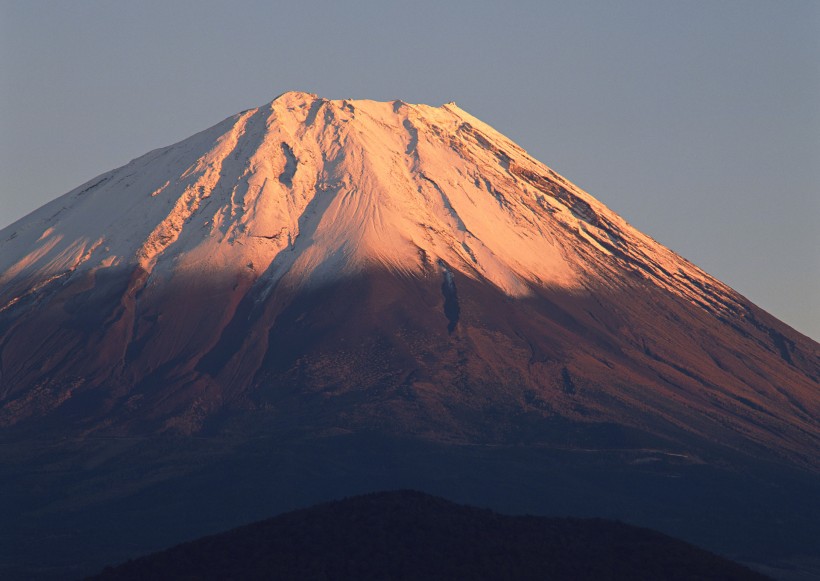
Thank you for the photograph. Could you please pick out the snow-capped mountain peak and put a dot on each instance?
(309, 189)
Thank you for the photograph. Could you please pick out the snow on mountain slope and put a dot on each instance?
(312, 189)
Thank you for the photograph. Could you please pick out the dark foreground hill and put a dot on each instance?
(410, 535)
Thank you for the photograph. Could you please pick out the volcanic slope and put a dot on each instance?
(320, 297)
(407, 266)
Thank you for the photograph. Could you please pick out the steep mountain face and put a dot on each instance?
(316, 270)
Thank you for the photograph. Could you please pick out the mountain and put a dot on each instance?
(317, 298)
(408, 535)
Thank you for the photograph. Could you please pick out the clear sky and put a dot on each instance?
(698, 121)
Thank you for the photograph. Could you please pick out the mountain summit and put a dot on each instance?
(314, 270)
(307, 190)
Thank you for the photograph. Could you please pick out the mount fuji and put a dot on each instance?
(316, 298)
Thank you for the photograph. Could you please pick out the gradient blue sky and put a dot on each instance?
(698, 121)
